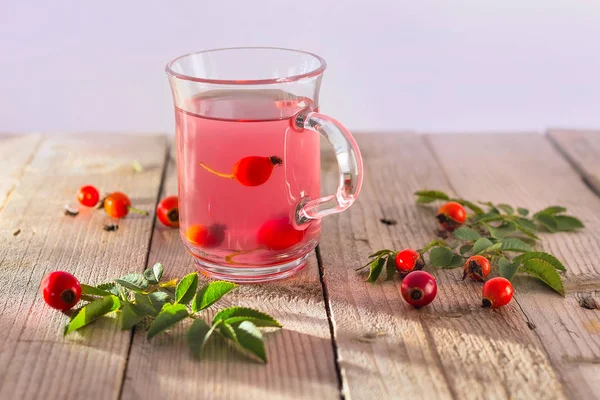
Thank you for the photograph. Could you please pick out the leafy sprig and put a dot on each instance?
(145, 297)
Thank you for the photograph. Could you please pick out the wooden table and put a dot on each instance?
(342, 336)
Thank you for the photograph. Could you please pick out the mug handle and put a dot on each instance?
(349, 163)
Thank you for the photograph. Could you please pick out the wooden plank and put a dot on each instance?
(35, 360)
(451, 349)
(16, 153)
(525, 170)
(582, 149)
(301, 362)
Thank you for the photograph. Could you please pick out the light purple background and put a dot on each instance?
(76, 66)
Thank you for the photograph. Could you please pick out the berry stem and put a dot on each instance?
(229, 257)
(222, 175)
(137, 210)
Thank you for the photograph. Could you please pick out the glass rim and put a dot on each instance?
(294, 78)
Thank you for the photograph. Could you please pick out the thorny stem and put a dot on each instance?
(222, 175)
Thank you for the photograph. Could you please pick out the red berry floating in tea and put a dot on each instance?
(61, 290)
(168, 211)
(206, 236)
(279, 234)
(250, 171)
(451, 215)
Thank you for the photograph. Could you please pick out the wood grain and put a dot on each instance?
(301, 362)
(450, 349)
(16, 153)
(526, 170)
(35, 360)
(582, 149)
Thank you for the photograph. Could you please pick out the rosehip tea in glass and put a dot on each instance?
(248, 160)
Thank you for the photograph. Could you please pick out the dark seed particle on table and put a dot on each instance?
(111, 227)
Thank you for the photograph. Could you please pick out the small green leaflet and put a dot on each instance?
(516, 245)
(197, 336)
(249, 338)
(432, 194)
(151, 303)
(440, 257)
(390, 268)
(481, 244)
(92, 312)
(548, 221)
(168, 316)
(507, 269)
(93, 291)
(546, 273)
(566, 223)
(186, 288)
(503, 230)
(465, 248)
(211, 293)
(131, 314)
(456, 262)
(227, 331)
(154, 274)
(376, 268)
(465, 233)
(237, 314)
(551, 211)
(506, 208)
(380, 253)
(522, 211)
(549, 258)
(136, 282)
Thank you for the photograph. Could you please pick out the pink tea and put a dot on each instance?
(243, 169)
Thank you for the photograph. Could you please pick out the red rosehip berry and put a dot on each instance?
(250, 171)
(88, 196)
(61, 290)
(206, 236)
(118, 205)
(497, 292)
(408, 260)
(477, 268)
(419, 288)
(451, 215)
(168, 212)
(279, 234)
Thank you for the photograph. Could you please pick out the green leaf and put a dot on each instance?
(186, 288)
(516, 245)
(131, 315)
(250, 339)
(548, 221)
(151, 303)
(423, 199)
(503, 230)
(481, 244)
(375, 270)
(154, 274)
(433, 194)
(550, 211)
(380, 253)
(545, 272)
(506, 208)
(465, 248)
(92, 312)
(432, 244)
(566, 223)
(549, 258)
(211, 293)
(390, 268)
(168, 290)
(227, 331)
(475, 208)
(136, 282)
(93, 291)
(506, 269)
(440, 257)
(244, 313)
(522, 211)
(457, 261)
(491, 206)
(465, 233)
(168, 316)
(197, 336)
(488, 217)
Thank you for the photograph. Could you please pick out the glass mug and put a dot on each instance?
(248, 160)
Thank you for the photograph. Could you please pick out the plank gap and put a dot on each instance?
(336, 358)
